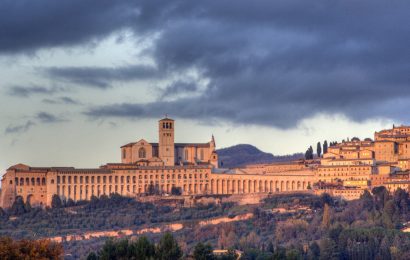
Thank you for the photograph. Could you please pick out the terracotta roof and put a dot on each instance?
(166, 119)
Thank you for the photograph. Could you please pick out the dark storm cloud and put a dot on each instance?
(16, 129)
(101, 77)
(23, 91)
(266, 62)
(179, 87)
(26, 25)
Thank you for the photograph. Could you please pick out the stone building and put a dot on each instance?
(192, 168)
(152, 167)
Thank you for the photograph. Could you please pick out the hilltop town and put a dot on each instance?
(345, 170)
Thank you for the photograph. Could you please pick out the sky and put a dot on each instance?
(80, 78)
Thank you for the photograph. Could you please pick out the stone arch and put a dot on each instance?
(223, 186)
(299, 187)
(282, 186)
(218, 187)
(266, 186)
(142, 153)
(293, 185)
(249, 186)
(271, 186)
(29, 199)
(287, 185)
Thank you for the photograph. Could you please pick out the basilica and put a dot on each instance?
(345, 170)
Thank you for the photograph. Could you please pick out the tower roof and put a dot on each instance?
(166, 119)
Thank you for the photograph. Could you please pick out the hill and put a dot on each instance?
(243, 154)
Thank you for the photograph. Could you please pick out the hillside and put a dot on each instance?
(243, 154)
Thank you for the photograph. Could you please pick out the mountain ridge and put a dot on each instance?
(244, 154)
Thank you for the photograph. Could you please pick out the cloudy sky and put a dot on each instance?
(80, 78)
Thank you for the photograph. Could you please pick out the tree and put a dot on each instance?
(143, 248)
(319, 149)
(314, 251)
(328, 249)
(325, 146)
(56, 201)
(29, 249)
(203, 252)
(168, 248)
(367, 200)
(381, 195)
(176, 191)
(18, 207)
(92, 256)
(326, 216)
(309, 153)
(70, 203)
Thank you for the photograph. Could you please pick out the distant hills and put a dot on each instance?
(243, 154)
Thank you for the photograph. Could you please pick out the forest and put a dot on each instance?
(306, 227)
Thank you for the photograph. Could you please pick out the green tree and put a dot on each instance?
(168, 248)
(381, 195)
(203, 252)
(367, 200)
(92, 256)
(325, 146)
(143, 248)
(328, 249)
(314, 251)
(319, 149)
(56, 201)
(176, 191)
(326, 216)
(18, 206)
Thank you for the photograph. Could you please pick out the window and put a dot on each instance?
(186, 155)
(141, 153)
(202, 154)
(124, 153)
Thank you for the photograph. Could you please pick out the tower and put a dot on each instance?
(166, 141)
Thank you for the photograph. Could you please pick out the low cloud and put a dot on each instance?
(101, 77)
(61, 100)
(48, 118)
(24, 91)
(17, 129)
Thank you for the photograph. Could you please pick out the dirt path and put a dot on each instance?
(172, 227)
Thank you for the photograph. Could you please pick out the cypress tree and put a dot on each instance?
(325, 146)
(319, 149)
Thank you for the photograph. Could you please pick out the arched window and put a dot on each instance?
(186, 155)
(141, 153)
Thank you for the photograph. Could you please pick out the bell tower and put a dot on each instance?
(166, 147)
